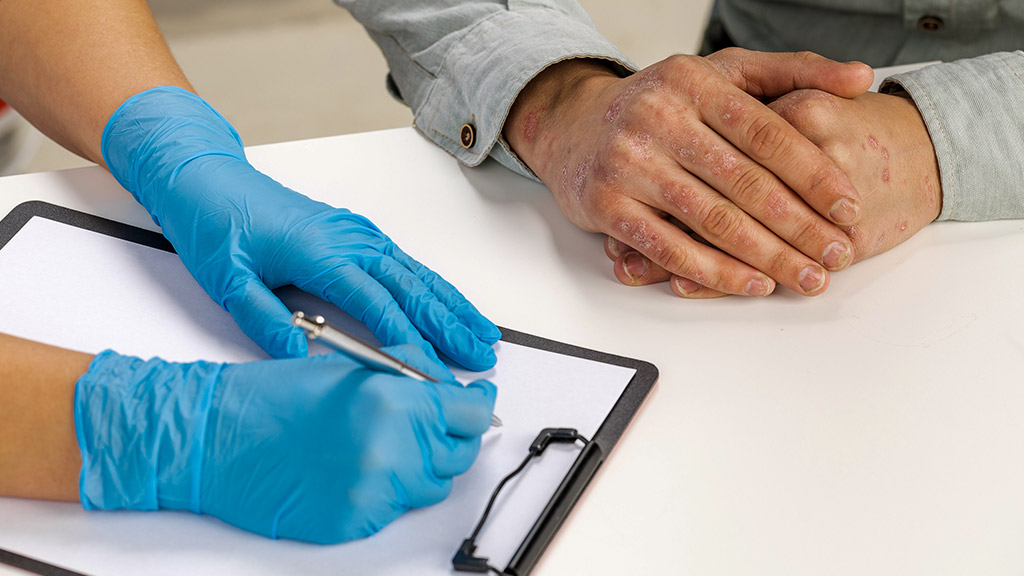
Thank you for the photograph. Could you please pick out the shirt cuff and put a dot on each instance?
(482, 75)
(972, 109)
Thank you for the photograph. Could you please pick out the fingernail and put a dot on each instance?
(837, 255)
(844, 211)
(760, 286)
(614, 246)
(685, 286)
(811, 279)
(635, 266)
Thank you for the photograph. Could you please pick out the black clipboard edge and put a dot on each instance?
(567, 493)
(34, 566)
(591, 457)
(22, 213)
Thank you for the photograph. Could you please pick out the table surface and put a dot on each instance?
(872, 430)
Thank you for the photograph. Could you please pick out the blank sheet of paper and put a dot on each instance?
(87, 291)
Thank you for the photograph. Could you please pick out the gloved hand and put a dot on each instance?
(242, 234)
(319, 449)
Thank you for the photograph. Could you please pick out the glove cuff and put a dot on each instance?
(141, 427)
(152, 134)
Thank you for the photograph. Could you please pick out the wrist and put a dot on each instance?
(141, 430)
(544, 114)
(920, 152)
(156, 131)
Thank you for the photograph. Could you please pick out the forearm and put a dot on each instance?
(66, 66)
(39, 456)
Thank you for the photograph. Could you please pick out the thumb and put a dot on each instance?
(772, 74)
(264, 319)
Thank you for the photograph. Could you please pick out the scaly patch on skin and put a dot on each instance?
(885, 175)
(530, 126)
(872, 142)
(640, 143)
(726, 163)
(642, 81)
(885, 153)
(689, 154)
(778, 205)
(733, 111)
(741, 238)
(579, 178)
(640, 237)
(682, 199)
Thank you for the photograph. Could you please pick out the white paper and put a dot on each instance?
(86, 291)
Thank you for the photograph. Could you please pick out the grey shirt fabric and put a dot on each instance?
(459, 62)
(456, 62)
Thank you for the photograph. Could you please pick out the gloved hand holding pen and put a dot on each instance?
(319, 449)
(241, 234)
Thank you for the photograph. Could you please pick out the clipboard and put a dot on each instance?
(557, 508)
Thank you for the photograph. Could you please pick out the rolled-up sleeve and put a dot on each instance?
(459, 65)
(974, 111)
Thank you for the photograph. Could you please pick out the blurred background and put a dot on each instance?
(293, 69)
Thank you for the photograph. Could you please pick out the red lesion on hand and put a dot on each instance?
(530, 125)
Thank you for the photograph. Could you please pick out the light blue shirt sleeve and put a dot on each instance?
(974, 111)
(462, 63)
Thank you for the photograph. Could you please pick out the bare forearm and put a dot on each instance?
(66, 66)
(39, 455)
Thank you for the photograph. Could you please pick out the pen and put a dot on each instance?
(317, 328)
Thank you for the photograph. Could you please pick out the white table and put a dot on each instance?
(874, 430)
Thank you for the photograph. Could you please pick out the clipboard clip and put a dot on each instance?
(465, 559)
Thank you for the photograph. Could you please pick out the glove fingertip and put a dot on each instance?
(479, 359)
(487, 387)
(487, 331)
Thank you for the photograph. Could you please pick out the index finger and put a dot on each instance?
(467, 410)
(775, 144)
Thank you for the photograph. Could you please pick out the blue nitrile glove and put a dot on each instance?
(241, 234)
(318, 449)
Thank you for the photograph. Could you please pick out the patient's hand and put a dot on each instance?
(881, 142)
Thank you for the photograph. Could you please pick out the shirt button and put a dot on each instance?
(467, 136)
(930, 23)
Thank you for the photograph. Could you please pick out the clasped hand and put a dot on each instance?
(685, 145)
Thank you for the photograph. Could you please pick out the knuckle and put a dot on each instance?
(809, 111)
(721, 220)
(678, 61)
(807, 236)
(671, 256)
(838, 152)
(807, 57)
(752, 186)
(731, 53)
(825, 180)
(778, 263)
(767, 138)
